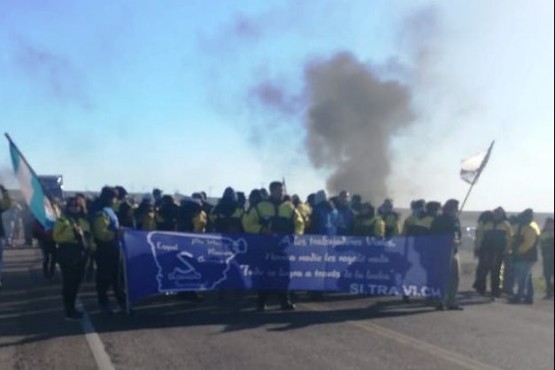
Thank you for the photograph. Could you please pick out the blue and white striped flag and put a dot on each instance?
(34, 196)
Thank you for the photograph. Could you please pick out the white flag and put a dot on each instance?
(472, 167)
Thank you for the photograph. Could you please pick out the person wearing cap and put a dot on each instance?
(274, 216)
(547, 245)
(72, 234)
(525, 254)
(106, 232)
(5, 204)
(448, 224)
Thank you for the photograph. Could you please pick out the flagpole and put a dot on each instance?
(482, 166)
(466, 197)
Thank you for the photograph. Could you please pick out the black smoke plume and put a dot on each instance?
(351, 115)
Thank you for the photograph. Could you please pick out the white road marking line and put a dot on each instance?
(95, 344)
(453, 357)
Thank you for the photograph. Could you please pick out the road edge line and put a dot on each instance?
(101, 357)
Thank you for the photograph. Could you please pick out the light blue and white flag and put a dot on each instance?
(31, 188)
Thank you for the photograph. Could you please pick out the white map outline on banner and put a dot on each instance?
(236, 247)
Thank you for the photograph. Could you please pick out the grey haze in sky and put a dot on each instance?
(352, 114)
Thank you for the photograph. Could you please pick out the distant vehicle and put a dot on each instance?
(53, 185)
(468, 237)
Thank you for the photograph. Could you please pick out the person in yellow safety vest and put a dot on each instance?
(106, 233)
(191, 218)
(547, 245)
(124, 208)
(145, 215)
(390, 217)
(227, 216)
(82, 200)
(72, 233)
(507, 278)
(167, 214)
(303, 209)
(274, 216)
(5, 204)
(419, 223)
(416, 223)
(525, 254)
(492, 243)
(432, 211)
(367, 223)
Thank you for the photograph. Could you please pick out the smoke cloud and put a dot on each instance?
(7, 178)
(274, 96)
(351, 115)
(55, 73)
(351, 109)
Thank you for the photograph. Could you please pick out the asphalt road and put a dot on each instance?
(341, 332)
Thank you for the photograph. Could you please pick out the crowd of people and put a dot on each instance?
(507, 249)
(87, 232)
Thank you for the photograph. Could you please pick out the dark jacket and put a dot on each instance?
(447, 225)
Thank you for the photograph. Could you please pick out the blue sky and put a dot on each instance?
(160, 93)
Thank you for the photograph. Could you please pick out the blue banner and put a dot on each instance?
(163, 262)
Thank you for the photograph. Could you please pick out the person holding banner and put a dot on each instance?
(106, 233)
(72, 233)
(448, 224)
(5, 204)
(390, 218)
(367, 224)
(274, 216)
(227, 216)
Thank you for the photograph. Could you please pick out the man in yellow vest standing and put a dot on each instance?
(274, 216)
